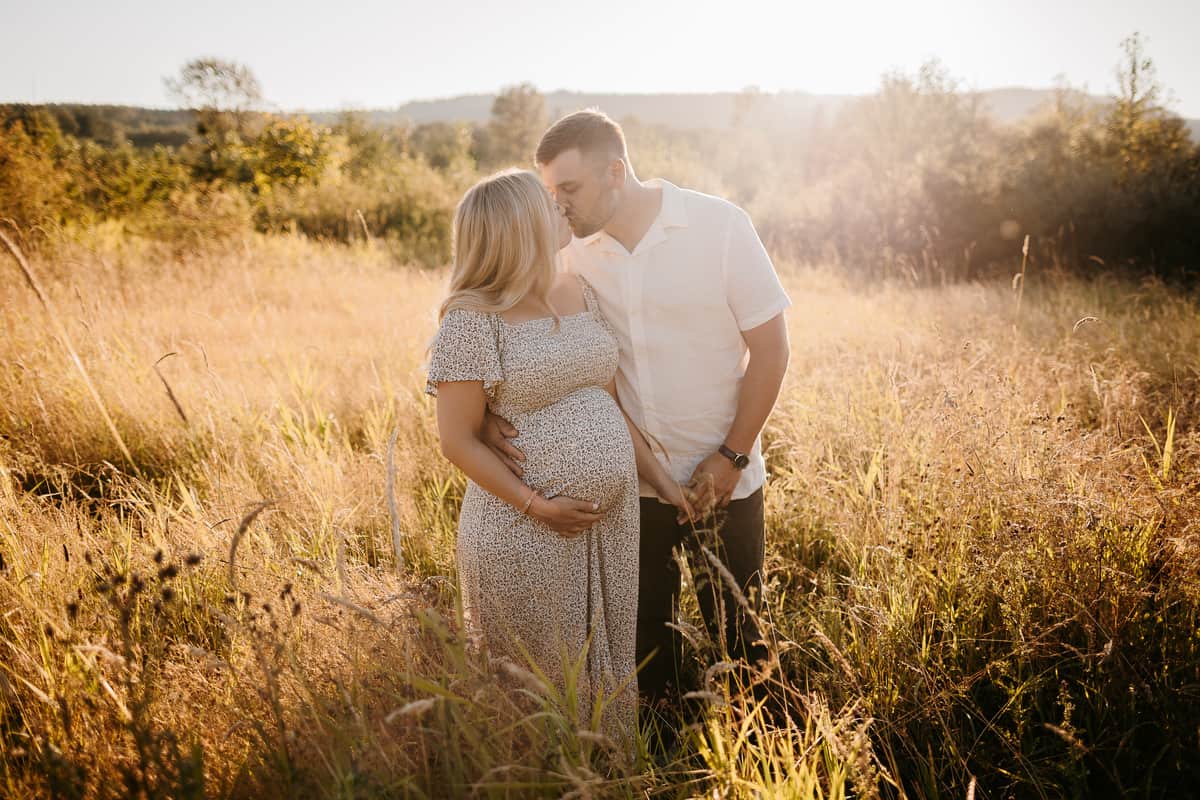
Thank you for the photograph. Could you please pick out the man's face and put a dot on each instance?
(585, 187)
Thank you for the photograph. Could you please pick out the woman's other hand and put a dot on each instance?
(677, 496)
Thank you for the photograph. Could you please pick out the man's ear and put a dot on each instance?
(617, 173)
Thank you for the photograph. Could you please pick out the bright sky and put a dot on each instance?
(315, 54)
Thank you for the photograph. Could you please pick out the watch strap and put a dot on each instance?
(740, 460)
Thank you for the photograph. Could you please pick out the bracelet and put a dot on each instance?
(529, 502)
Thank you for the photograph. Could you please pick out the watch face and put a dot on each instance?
(742, 461)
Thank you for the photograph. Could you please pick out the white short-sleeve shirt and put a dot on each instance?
(679, 303)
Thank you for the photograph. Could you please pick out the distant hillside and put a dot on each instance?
(714, 110)
(149, 126)
(144, 127)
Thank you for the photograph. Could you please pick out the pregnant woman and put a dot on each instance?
(548, 562)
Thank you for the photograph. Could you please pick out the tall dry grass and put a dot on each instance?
(982, 547)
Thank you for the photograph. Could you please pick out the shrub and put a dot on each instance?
(410, 206)
(34, 192)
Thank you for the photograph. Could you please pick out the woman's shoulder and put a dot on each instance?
(570, 289)
(568, 281)
(468, 316)
(458, 322)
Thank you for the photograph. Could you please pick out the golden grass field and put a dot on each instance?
(983, 545)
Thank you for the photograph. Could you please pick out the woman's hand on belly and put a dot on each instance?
(566, 516)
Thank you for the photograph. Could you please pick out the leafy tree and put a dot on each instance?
(913, 178)
(1140, 129)
(290, 152)
(34, 191)
(451, 148)
(224, 92)
(369, 149)
(223, 95)
(517, 122)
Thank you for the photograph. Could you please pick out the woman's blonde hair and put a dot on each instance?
(505, 244)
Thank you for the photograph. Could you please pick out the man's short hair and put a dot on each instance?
(589, 130)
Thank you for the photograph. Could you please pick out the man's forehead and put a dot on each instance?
(569, 165)
(563, 167)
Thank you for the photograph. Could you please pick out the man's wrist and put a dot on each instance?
(740, 443)
(740, 460)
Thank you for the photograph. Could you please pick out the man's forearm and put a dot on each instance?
(756, 398)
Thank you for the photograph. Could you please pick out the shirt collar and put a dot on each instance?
(671, 214)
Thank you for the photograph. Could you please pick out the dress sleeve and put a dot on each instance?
(465, 349)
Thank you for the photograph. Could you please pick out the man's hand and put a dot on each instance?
(495, 434)
(712, 483)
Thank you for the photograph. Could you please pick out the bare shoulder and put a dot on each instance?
(567, 294)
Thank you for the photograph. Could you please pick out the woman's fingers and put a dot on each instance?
(702, 499)
(686, 512)
(572, 517)
(581, 510)
(588, 508)
(579, 515)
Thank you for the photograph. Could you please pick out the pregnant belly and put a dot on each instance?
(579, 447)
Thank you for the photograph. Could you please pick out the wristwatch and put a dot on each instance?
(740, 460)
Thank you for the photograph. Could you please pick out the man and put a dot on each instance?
(690, 292)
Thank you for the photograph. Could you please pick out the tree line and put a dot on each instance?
(914, 182)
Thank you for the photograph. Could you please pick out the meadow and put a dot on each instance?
(227, 544)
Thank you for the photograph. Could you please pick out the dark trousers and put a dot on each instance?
(738, 542)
